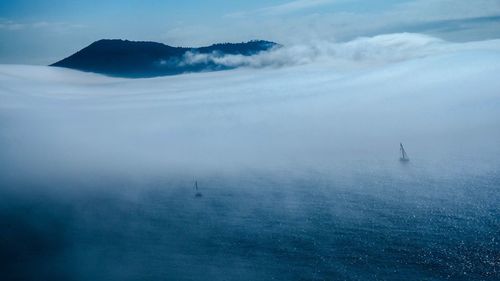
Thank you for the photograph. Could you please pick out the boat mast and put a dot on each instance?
(403, 152)
(198, 194)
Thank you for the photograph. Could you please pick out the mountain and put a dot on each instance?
(132, 59)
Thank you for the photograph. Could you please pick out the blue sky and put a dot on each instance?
(43, 31)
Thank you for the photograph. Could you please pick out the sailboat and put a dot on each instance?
(404, 156)
(198, 194)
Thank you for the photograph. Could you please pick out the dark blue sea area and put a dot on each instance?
(403, 223)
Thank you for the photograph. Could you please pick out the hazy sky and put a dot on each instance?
(44, 31)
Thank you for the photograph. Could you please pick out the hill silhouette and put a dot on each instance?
(133, 59)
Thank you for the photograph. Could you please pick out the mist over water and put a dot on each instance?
(297, 160)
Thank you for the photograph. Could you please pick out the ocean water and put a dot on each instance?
(400, 222)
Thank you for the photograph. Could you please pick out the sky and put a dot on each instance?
(45, 31)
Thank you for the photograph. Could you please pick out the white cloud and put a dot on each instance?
(282, 9)
(294, 6)
(10, 25)
(312, 113)
(431, 10)
(408, 16)
(361, 52)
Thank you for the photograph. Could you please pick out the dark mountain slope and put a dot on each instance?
(124, 58)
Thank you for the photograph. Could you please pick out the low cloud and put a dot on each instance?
(363, 51)
(344, 106)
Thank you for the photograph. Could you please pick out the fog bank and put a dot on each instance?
(335, 108)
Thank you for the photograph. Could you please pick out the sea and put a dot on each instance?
(401, 221)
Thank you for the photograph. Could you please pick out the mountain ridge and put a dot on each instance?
(141, 59)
